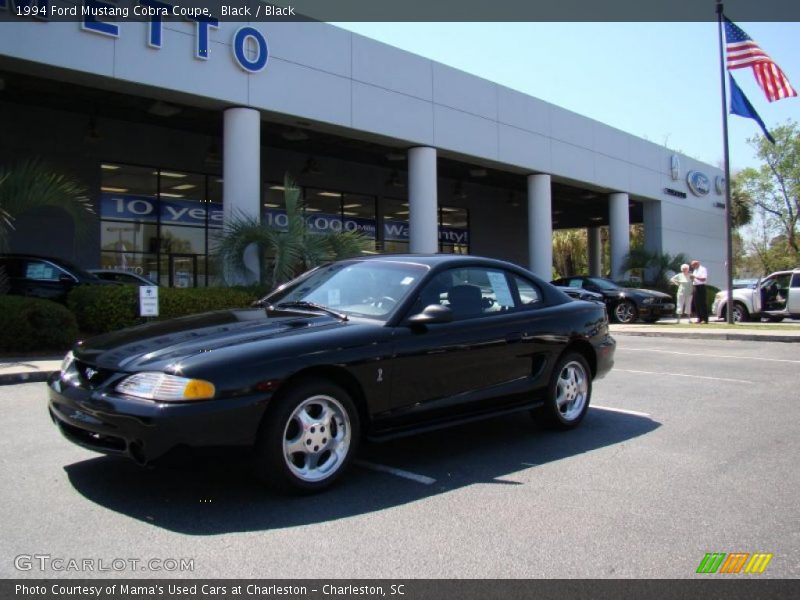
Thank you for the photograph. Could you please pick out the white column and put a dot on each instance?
(595, 251)
(540, 226)
(423, 217)
(653, 233)
(241, 177)
(618, 232)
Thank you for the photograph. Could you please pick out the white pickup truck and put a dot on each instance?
(775, 297)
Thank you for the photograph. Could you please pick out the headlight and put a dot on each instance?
(165, 388)
(67, 362)
(69, 373)
(648, 300)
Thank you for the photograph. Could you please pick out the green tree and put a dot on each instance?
(284, 253)
(774, 187)
(657, 264)
(741, 203)
(32, 184)
(570, 254)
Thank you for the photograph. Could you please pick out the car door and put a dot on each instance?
(462, 366)
(793, 305)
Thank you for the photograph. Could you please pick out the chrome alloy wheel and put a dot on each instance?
(316, 438)
(625, 312)
(572, 390)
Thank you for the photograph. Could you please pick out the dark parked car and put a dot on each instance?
(42, 277)
(625, 305)
(378, 347)
(121, 276)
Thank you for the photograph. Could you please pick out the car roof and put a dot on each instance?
(436, 260)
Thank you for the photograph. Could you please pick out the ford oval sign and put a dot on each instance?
(698, 182)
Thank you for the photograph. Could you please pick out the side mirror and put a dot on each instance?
(431, 315)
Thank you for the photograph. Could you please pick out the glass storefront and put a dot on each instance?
(157, 222)
(164, 224)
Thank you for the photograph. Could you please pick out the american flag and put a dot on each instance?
(744, 52)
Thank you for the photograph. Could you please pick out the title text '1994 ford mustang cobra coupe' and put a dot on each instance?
(377, 347)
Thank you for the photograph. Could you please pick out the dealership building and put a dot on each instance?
(175, 127)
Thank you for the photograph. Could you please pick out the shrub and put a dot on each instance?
(30, 324)
(100, 309)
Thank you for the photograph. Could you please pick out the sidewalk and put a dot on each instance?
(35, 369)
(750, 332)
(28, 370)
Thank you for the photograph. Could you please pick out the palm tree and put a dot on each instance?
(284, 253)
(32, 184)
(657, 263)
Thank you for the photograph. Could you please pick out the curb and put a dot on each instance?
(742, 337)
(27, 377)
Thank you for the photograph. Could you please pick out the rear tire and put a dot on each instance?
(308, 438)
(568, 394)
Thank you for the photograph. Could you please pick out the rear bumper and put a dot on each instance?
(145, 430)
(605, 356)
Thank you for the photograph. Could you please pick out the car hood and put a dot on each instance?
(154, 346)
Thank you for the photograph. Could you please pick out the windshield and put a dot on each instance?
(369, 288)
(604, 284)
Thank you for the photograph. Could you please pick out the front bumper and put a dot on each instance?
(106, 422)
(650, 311)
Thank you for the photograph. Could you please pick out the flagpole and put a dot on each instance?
(728, 207)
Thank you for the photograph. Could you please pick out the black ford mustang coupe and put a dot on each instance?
(625, 305)
(377, 347)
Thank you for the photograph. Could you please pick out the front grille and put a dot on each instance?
(91, 377)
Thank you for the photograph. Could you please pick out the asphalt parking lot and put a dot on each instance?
(691, 447)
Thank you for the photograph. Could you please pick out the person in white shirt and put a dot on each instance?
(683, 280)
(699, 276)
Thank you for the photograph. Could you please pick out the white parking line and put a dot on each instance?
(682, 375)
(635, 413)
(784, 360)
(397, 472)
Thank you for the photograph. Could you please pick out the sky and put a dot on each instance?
(658, 81)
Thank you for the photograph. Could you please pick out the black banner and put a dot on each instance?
(399, 10)
(718, 587)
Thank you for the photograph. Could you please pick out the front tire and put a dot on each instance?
(625, 312)
(568, 394)
(308, 438)
(740, 314)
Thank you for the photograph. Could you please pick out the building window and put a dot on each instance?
(395, 226)
(453, 230)
(156, 222)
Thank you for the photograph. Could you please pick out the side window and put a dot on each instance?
(796, 280)
(576, 283)
(471, 292)
(529, 293)
(41, 271)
